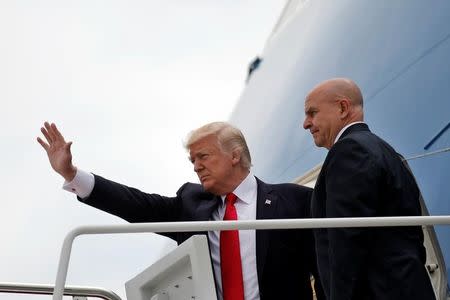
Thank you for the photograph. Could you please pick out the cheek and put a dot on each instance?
(315, 120)
(211, 167)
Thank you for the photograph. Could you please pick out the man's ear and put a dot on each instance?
(344, 107)
(235, 157)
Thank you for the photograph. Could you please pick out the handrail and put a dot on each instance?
(230, 225)
(47, 289)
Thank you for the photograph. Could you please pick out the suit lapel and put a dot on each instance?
(316, 206)
(265, 209)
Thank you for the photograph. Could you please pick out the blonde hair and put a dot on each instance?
(229, 138)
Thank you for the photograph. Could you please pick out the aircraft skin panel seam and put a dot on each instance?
(409, 66)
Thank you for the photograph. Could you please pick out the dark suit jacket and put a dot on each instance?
(285, 258)
(363, 176)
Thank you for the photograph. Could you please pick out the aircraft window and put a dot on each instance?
(253, 66)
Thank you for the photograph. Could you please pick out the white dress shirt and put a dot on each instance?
(83, 184)
(245, 205)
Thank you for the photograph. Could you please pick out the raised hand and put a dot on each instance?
(58, 151)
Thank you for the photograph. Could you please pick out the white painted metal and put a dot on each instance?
(184, 273)
(78, 292)
(227, 225)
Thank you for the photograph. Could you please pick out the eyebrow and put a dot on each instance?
(310, 109)
(199, 153)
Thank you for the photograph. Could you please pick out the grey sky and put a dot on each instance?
(125, 81)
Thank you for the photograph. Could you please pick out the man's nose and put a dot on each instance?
(306, 123)
(197, 166)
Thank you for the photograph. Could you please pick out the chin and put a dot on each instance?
(318, 143)
(208, 187)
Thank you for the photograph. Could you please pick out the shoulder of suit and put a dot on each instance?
(193, 190)
(290, 187)
(362, 146)
(356, 140)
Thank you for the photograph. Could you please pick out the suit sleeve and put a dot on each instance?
(131, 204)
(352, 191)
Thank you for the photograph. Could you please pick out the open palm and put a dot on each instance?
(58, 151)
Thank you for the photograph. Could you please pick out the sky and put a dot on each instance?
(125, 81)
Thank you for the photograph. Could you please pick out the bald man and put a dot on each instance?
(362, 176)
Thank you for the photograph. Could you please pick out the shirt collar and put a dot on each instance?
(343, 129)
(245, 190)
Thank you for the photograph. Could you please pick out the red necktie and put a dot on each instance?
(230, 256)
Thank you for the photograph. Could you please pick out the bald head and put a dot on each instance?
(329, 107)
(339, 88)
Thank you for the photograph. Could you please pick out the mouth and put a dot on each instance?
(203, 178)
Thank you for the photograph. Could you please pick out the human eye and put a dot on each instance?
(311, 113)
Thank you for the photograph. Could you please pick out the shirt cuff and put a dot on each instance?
(81, 185)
